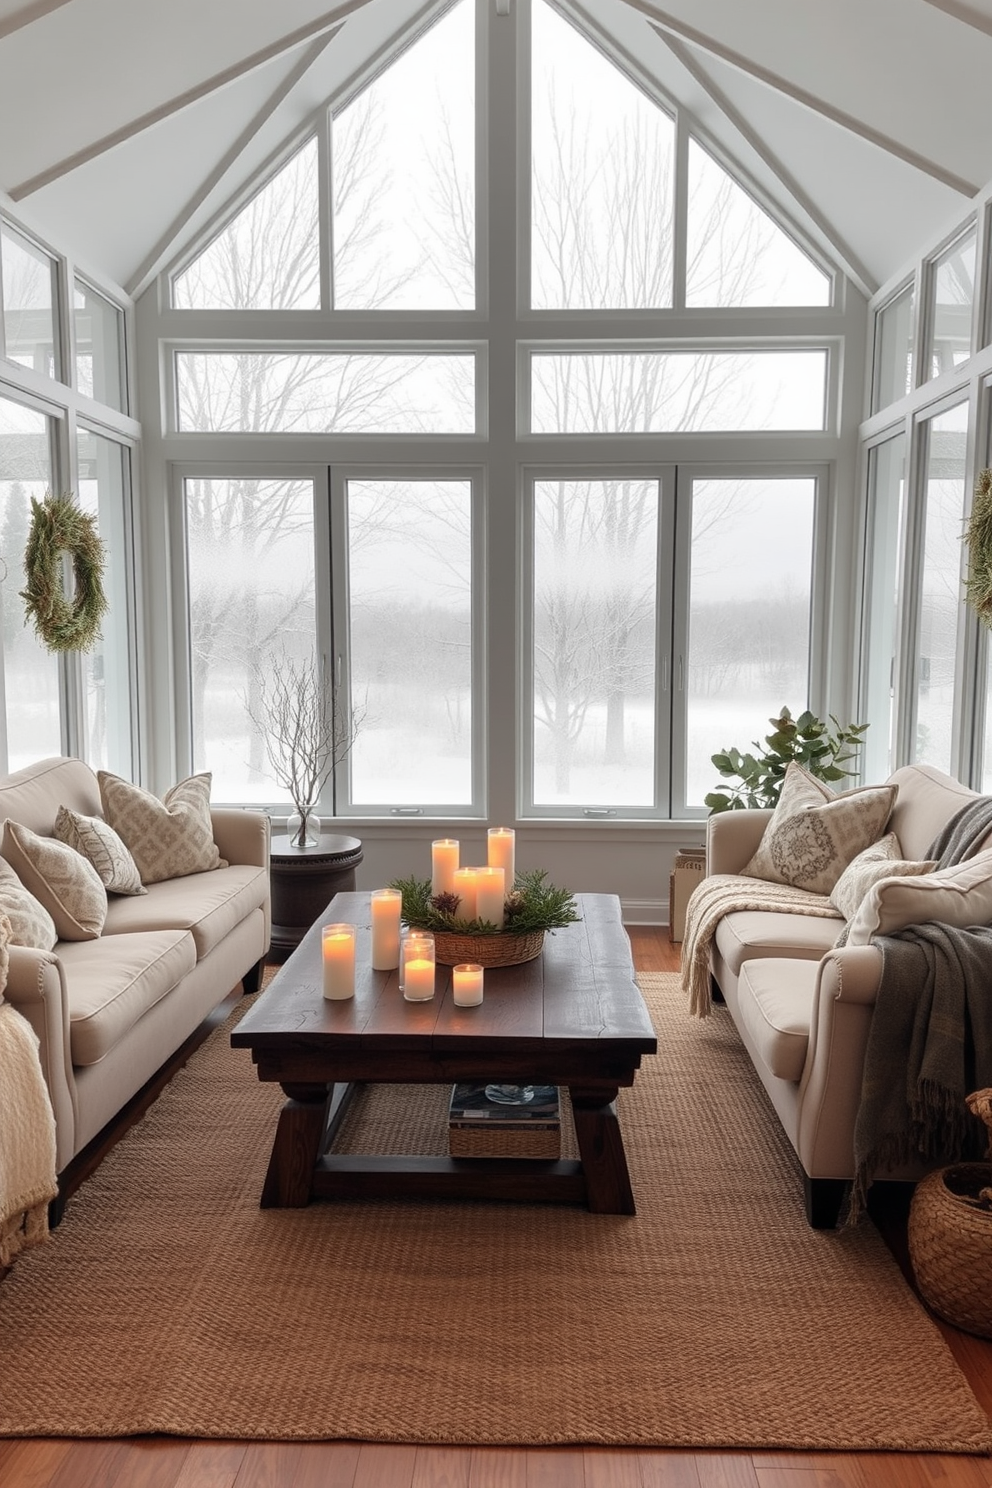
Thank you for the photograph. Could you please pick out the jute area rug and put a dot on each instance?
(167, 1301)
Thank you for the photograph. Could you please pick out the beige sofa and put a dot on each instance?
(803, 1007)
(110, 1011)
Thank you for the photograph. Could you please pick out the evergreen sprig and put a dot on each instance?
(532, 904)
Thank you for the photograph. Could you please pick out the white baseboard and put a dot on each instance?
(645, 911)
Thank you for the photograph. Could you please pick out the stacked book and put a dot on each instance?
(481, 1127)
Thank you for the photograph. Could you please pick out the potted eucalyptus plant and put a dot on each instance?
(757, 778)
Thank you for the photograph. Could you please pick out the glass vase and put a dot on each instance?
(303, 828)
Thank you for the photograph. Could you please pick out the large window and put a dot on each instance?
(29, 300)
(940, 608)
(885, 539)
(108, 670)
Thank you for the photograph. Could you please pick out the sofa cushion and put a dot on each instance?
(97, 841)
(959, 896)
(30, 922)
(63, 880)
(813, 834)
(882, 860)
(748, 933)
(209, 906)
(113, 981)
(168, 838)
(775, 999)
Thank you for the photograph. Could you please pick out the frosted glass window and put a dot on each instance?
(27, 275)
(99, 327)
(268, 256)
(250, 566)
(324, 393)
(953, 288)
(593, 627)
(940, 587)
(106, 669)
(669, 392)
(404, 178)
(30, 670)
(750, 590)
(601, 180)
(893, 361)
(884, 545)
(410, 641)
(736, 254)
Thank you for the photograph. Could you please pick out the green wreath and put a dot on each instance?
(978, 536)
(58, 526)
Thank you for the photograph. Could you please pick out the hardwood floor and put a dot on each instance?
(166, 1462)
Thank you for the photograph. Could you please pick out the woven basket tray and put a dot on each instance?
(950, 1246)
(451, 949)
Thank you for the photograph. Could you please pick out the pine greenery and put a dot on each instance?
(533, 904)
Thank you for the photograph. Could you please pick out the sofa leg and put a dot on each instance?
(824, 1197)
(56, 1208)
(252, 979)
(716, 991)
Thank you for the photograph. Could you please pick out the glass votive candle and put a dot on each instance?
(466, 981)
(386, 905)
(338, 951)
(417, 966)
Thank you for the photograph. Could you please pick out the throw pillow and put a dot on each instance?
(98, 842)
(167, 838)
(814, 834)
(63, 880)
(30, 922)
(882, 860)
(960, 896)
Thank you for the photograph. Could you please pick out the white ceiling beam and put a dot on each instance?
(857, 270)
(964, 13)
(28, 15)
(163, 248)
(330, 21)
(663, 24)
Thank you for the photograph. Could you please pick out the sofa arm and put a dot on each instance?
(241, 836)
(36, 988)
(830, 1091)
(732, 838)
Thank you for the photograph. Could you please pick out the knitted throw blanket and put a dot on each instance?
(27, 1138)
(723, 894)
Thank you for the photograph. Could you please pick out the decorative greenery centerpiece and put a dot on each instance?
(806, 739)
(532, 907)
(59, 527)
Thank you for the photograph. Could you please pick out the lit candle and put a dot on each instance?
(444, 862)
(490, 890)
(464, 887)
(502, 852)
(467, 983)
(338, 944)
(386, 906)
(417, 969)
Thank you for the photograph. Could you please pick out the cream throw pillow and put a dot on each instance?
(63, 880)
(30, 922)
(167, 838)
(958, 896)
(814, 834)
(882, 860)
(98, 842)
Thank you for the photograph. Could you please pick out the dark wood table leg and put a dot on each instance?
(604, 1161)
(299, 1142)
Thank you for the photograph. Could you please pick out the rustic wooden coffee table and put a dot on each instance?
(572, 1017)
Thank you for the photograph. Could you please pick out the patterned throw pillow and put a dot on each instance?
(98, 842)
(167, 838)
(30, 922)
(814, 834)
(63, 880)
(959, 896)
(882, 860)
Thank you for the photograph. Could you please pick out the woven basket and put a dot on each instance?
(950, 1245)
(502, 949)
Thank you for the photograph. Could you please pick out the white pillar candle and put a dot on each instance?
(338, 946)
(444, 862)
(386, 906)
(490, 890)
(467, 983)
(464, 887)
(417, 968)
(502, 852)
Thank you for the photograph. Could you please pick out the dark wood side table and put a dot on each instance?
(304, 880)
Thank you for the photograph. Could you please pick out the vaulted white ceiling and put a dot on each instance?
(125, 124)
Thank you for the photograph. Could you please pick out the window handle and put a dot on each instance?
(406, 811)
(598, 811)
